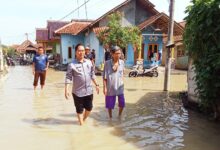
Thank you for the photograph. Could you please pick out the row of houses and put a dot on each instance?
(61, 37)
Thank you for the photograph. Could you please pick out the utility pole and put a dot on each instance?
(26, 34)
(1, 57)
(169, 47)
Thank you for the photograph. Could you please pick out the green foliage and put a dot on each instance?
(8, 50)
(202, 40)
(115, 34)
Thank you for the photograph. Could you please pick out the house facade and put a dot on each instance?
(140, 13)
(27, 47)
(46, 38)
(70, 37)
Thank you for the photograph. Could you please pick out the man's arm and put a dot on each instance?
(33, 68)
(96, 85)
(47, 65)
(68, 81)
(104, 86)
(105, 80)
(67, 94)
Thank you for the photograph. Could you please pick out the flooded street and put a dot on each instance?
(42, 120)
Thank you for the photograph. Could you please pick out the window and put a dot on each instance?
(180, 51)
(152, 52)
(69, 52)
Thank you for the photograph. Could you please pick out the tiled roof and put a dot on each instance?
(72, 28)
(177, 27)
(149, 21)
(15, 46)
(183, 24)
(41, 34)
(98, 30)
(26, 45)
(53, 26)
(175, 38)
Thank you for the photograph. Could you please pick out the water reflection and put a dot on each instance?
(153, 120)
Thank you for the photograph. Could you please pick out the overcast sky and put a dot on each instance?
(18, 17)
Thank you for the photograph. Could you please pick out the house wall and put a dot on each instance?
(58, 47)
(147, 40)
(93, 42)
(177, 62)
(141, 14)
(128, 12)
(69, 41)
(129, 62)
(192, 96)
(182, 62)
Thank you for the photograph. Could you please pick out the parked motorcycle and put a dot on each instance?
(10, 61)
(138, 71)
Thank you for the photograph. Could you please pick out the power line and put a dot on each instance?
(78, 6)
(86, 10)
(74, 10)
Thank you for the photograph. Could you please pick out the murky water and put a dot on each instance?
(43, 120)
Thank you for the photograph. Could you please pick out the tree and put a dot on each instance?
(202, 40)
(8, 50)
(115, 34)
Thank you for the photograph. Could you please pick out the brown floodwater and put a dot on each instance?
(43, 119)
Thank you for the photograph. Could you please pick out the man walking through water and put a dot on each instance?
(40, 66)
(113, 82)
(81, 73)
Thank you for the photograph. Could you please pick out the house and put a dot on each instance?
(70, 37)
(179, 55)
(141, 13)
(27, 47)
(46, 38)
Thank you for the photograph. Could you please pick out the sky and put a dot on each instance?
(18, 17)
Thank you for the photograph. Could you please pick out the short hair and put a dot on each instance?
(87, 47)
(115, 48)
(80, 44)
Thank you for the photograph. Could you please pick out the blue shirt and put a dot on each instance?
(81, 75)
(40, 62)
(115, 84)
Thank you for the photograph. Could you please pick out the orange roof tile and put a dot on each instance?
(183, 24)
(153, 19)
(175, 38)
(98, 30)
(26, 45)
(72, 28)
(149, 21)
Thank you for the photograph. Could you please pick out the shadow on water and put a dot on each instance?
(23, 88)
(132, 90)
(49, 121)
(155, 121)
(68, 115)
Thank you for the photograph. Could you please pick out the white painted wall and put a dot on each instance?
(192, 96)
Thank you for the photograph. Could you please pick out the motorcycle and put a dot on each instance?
(138, 71)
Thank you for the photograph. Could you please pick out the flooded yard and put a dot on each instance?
(43, 119)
